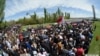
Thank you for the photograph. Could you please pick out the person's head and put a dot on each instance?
(42, 50)
(70, 39)
(69, 47)
(74, 50)
(80, 46)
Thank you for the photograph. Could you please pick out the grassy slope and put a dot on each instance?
(95, 45)
(24, 27)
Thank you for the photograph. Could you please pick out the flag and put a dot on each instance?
(60, 20)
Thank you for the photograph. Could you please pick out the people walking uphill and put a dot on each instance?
(53, 41)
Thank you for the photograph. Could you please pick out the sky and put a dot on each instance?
(16, 9)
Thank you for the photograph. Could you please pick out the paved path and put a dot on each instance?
(73, 20)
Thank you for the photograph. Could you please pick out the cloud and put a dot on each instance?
(16, 6)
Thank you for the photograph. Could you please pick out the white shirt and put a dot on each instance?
(5, 54)
(44, 54)
(17, 41)
(8, 44)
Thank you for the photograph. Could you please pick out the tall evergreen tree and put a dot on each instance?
(68, 15)
(94, 16)
(35, 18)
(65, 15)
(59, 12)
(54, 17)
(45, 15)
(35, 15)
(24, 20)
(2, 6)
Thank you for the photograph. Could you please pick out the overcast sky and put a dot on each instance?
(16, 9)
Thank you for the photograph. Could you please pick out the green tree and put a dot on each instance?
(2, 7)
(67, 15)
(35, 16)
(59, 12)
(54, 17)
(48, 18)
(20, 21)
(24, 21)
(45, 15)
(94, 15)
(5, 24)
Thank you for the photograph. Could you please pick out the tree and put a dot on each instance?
(5, 24)
(67, 15)
(2, 6)
(54, 17)
(35, 15)
(36, 18)
(45, 15)
(48, 18)
(59, 12)
(24, 21)
(94, 16)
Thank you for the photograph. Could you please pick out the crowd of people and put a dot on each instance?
(68, 39)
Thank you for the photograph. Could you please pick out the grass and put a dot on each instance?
(24, 27)
(95, 45)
